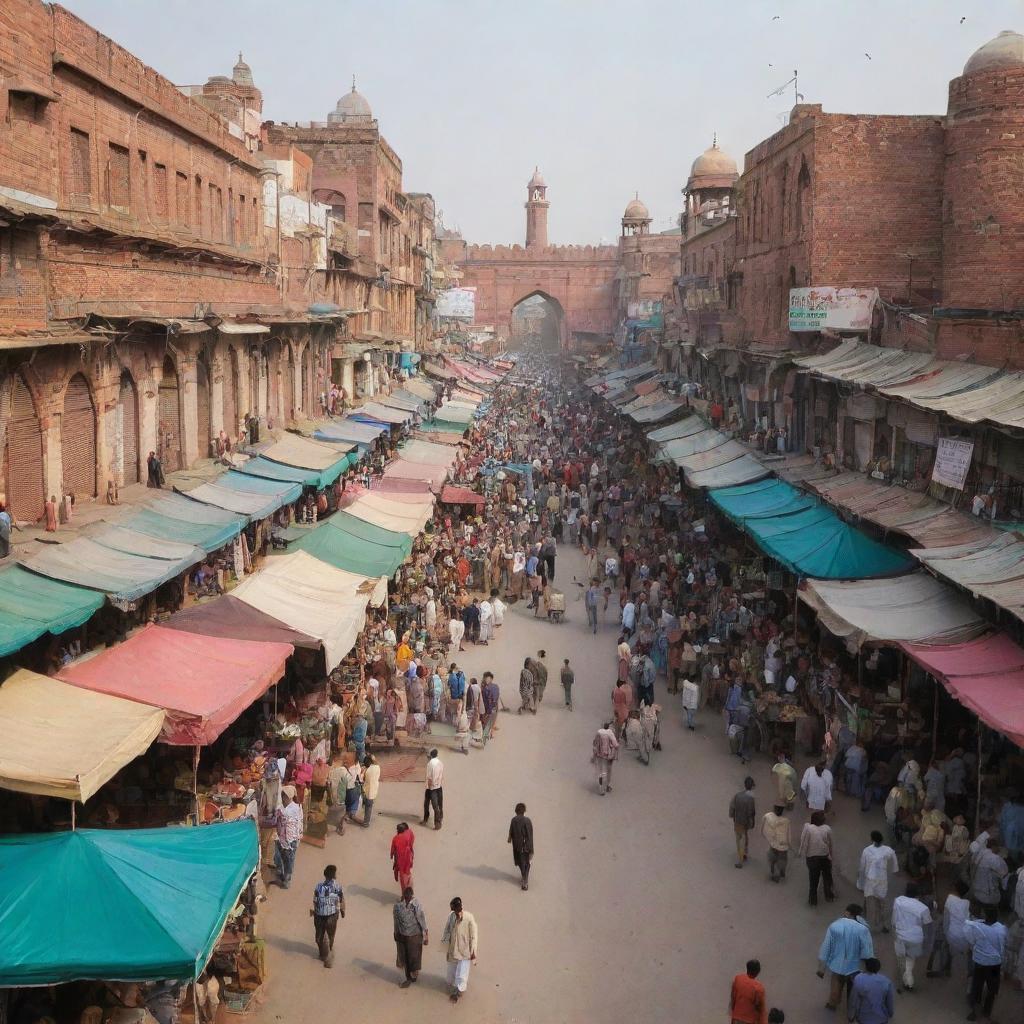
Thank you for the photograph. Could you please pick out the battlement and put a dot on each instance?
(551, 253)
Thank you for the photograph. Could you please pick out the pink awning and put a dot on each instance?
(985, 675)
(452, 495)
(395, 485)
(399, 469)
(203, 682)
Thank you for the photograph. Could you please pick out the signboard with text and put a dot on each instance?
(456, 303)
(952, 461)
(840, 309)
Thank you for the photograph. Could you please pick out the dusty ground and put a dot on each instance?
(634, 908)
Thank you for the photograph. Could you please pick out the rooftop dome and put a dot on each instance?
(241, 73)
(352, 105)
(537, 179)
(1005, 51)
(713, 161)
(635, 210)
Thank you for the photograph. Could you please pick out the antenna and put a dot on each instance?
(797, 95)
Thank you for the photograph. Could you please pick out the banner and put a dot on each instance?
(841, 309)
(952, 461)
(456, 303)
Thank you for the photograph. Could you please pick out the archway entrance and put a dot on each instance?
(169, 423)
(538, 319)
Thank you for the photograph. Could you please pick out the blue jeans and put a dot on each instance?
(873, 792)
(855, 781)
(284, 861)
(592, 617)
(690, 712)
(367, 810)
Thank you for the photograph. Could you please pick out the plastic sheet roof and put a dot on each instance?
(349, 430)
(765, 499)
(303, 453)
(395, 485)
(227, 617)
(266, 469)
(915, 608)
(740, 471)
(402, 400)
(992, 568)
(175, 518)
(452, 412)
(119, 905)
(400, 516)
(383, 413)
(662, 410)
(400, 469)
(311, 596)
(66, 742)
(333, 543)
(203, 683)
(684, 428)
(247, 495)
(31, 605)
(418, 386)
(428, 453)
(985, 675)
(451, 495)
(701, 441)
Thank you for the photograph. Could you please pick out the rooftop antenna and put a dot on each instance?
(797, 95)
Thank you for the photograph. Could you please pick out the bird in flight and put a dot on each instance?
(776, 18)
(963, 19)
(868, 55)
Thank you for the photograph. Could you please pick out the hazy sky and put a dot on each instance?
(607, 97)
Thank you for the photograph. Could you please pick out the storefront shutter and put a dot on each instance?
(231, 395)
(307, 383)
(170, 419)
(25, 495)
(78, 439)
(128, 414)
(203, 408)
(289, 387)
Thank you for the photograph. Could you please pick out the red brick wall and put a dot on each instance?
(22, 288)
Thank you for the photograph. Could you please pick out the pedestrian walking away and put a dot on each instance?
(411, 935)
(459, 940)
(289, 823)
(527, 681)
(816, 847)
(328, 906)
(402, 854)
(604, 752)
(743, 814)
(540, 678)
(747, 997)
(568, 678)
(987, 939)
(691, 702)
(775, 829)
(846, 944)
(910, 917)
(520, 835)
(433, 795)
(371, 787)
(872, 998)
(877, 862)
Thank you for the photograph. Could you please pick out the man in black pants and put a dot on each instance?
(988, 943)
(433, 796)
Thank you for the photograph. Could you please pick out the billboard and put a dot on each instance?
(952, 462)
(841, 309)
(456, 303)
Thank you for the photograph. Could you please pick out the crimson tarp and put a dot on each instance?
(452, 495)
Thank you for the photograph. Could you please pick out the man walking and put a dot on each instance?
(433, 796)
(402, 856)
(987, 939)
(746, 999)
(691, 701)
(568, 678)
(289, 831)
(328, 905)
(817, 787)
(877, 862)
(490, 695)
(872, 999)
(847, 942)
(775, 829)
(520, 835)
(591, 599)
(816, 846)
(540, 678)
(742, 812)
(459, 940)
(371, 787)
(909, 918)
(605, 751)
(526, 688)
(410, 935)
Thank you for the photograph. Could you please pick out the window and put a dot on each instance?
(119, 193)
(199, 205)
(243, 222)
(181, 214)
(143, 181)
(79, 178)
(160, 191)
(216, 214)
(26, 107)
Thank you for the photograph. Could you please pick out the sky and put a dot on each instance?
(607, 98)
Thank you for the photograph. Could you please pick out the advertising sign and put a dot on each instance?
(952, 461)
(456, 303)
(841, 309)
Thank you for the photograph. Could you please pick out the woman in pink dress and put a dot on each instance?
(622, 699)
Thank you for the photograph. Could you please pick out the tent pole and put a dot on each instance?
(195, 781)
(977, 805)
(73, 823)
(935, 720)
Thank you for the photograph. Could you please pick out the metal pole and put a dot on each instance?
(73, 825)
(935, 720)
(195, 780)
(977, 806)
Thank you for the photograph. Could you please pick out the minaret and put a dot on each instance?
(536, 212)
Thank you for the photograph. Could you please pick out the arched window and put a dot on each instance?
(78, 439)
(169, 417)
(126, 429)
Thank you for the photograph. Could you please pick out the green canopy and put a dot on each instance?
(31, 605)
(349, 543)
(133, 905)
(808, 538)
(319, 478)
(444, 426)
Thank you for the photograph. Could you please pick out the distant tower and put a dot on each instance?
(636, 220)
(536, 212)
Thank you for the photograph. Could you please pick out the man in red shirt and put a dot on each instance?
(747, 1003)
(402, 855)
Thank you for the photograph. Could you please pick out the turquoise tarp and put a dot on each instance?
(252, 496)
(175, 518)
(349, 430)
(348, 543)
(809, 539)
(31, 605)
(267, 469)
(131, 905)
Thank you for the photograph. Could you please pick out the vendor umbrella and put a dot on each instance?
(132, 905)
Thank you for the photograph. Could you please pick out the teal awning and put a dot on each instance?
(252, 496)
(174, 518)
(31, 605)
(352, 544)
(444, 426)
(805, 536)
(131, 905)
(267, 469)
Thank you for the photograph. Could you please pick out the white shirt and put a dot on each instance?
(486, 612)
(817, 788)
(875, 864)
(909, 916)
(691, 695)
(499, 610)
(435, 773)
(518, 562)
(954, 916)
(628, 615)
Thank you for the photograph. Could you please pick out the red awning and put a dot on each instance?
(395, 485)
(203, 683)
(985, 675)
(452, 495)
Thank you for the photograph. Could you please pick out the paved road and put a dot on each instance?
(634, 906)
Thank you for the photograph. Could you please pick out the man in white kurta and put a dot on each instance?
(877, 862)
(459, 941)
(486, 620)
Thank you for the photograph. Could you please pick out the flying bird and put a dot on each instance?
(963, 19)
(776, 18)
(868, 55)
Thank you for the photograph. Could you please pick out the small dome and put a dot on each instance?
(241, 73)
(352, 105)
(537, 179)
(713, 161)
(635, 210)
(1005, 51)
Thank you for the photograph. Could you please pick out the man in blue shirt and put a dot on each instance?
(847, 942)
(987, 940)
(456, 690)
(872, 998)
(328, 905)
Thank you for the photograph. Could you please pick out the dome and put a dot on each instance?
(537, 179)
(1005, 51)
(713, 161)
(241, 73)
(352, 105)
(635, 210)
